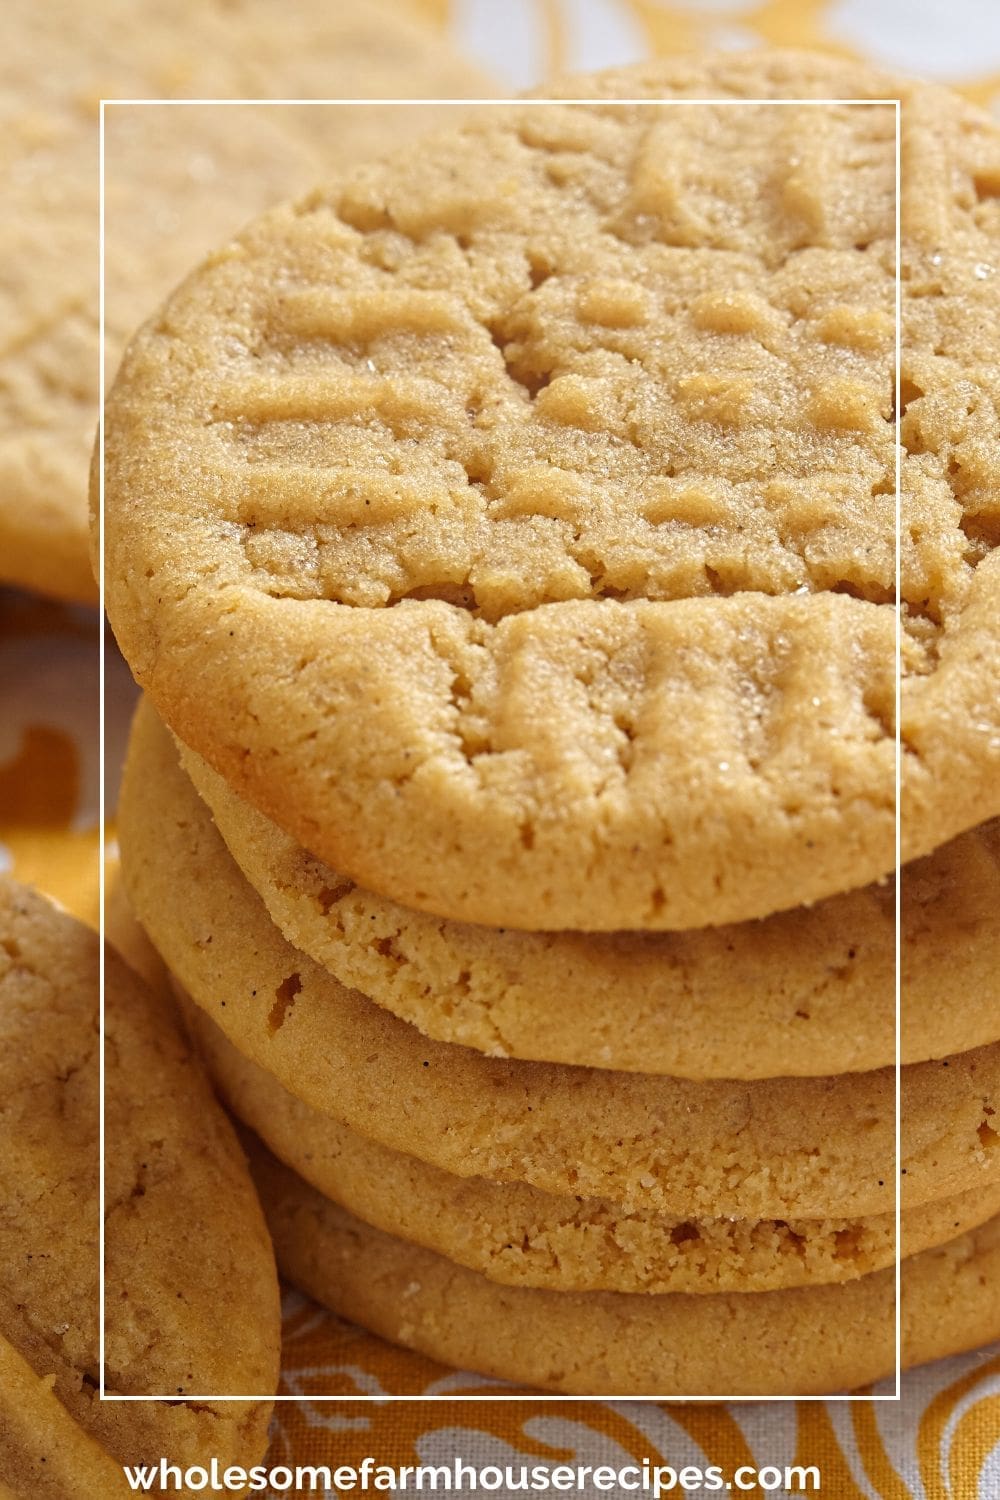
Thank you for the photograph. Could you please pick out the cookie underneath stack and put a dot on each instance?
(456, 1201)
(505, 537)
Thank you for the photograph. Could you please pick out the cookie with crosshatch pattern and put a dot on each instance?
(186, 1249)
(514, 521)
(766, 1148)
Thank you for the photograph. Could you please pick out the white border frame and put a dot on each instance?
(896, 1394)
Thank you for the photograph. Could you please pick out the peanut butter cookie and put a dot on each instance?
(519, 1236)
(178, 180)
(806, 992)
(513, 521)
(186, 1248)
(830, 1338)
(760, 1149)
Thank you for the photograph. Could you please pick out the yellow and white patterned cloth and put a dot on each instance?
(942, 1441)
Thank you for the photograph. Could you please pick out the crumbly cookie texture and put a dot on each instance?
(178, 181)
(44, 1453)
(519, 1236)
(514, 521)
(768, 1148)
(807, 992)
(831, 1338)
(186, 1249)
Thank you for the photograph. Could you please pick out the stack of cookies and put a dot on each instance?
(506, 540)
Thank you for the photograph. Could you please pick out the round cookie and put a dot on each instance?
(774, 1148)
(802, 993)
(178, 181)
(519, 1236)
(529, 556)
(186, 1248)
(813, 1340)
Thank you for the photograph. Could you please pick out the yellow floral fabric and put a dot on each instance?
(942, 1441)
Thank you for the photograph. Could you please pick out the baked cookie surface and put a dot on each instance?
(186, 1249)
(831, 1338)
(178, 180)
(44, 1453)
(766, 1148)
(517, 1236)
(807, 992)
(514, 522)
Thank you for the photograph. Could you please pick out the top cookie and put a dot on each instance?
(177, 181)
(513, 522)
(186, 1249)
